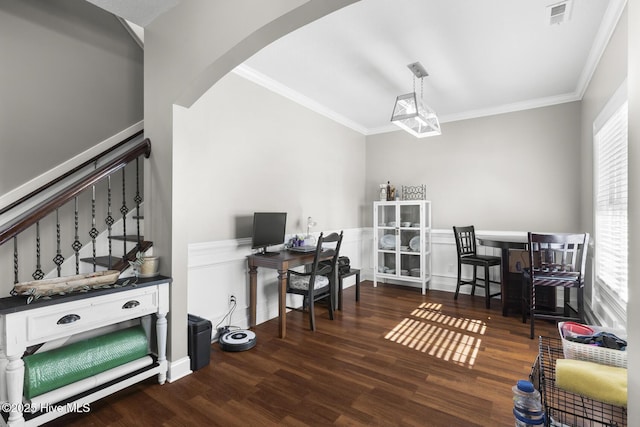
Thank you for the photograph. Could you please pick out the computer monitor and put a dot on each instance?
(268, 230)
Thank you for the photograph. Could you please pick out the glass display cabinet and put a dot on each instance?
(402, 242)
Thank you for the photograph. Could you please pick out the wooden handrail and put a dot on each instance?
(68, 174)
(33, 215)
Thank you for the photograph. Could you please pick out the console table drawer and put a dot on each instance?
(79, 316)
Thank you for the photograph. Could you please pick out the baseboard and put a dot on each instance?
(179, 369)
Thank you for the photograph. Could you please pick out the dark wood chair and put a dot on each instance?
(467, 255)
(315, 284)
(556, 260)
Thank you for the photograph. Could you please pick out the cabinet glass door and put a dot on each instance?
(409, 240)
(387, 239)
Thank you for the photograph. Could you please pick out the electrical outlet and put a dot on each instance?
(232, 299)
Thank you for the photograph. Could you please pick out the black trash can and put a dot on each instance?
(199, 342)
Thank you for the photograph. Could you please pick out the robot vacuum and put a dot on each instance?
(239, 340)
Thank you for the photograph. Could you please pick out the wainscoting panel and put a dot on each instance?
(218, 270)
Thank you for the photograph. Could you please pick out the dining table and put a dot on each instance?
(511, 281)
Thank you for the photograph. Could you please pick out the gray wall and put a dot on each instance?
(633, 316)
(71, 76)
(610, 73)
(180, 66)
(258, 151)
(490, 171)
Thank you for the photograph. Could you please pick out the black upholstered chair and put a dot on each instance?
(467, 255)
(315, 284)
(556, 260)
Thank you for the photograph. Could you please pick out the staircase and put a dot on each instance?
(88, 219)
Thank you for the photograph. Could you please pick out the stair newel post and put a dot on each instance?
(93, 233)
(58, 259)
(76, 245)
(15, 259)
(38, 274)
(109, 220)
(138, 200)
(124, 210)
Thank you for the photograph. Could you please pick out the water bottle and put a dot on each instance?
(527, 408)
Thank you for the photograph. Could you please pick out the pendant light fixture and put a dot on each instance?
(411, 113)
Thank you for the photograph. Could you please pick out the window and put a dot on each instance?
(610, 205)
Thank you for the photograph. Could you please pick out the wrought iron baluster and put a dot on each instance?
(109, 219)
(38, 274)
(138, 200)
(93, 232)
(76, 245)
(15, 259)
(124, 210)
(58, 259)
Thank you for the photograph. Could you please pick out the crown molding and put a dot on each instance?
(605, 31)
(258, 78)
(607, 27)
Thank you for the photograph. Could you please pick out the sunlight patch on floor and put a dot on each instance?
(449, 338)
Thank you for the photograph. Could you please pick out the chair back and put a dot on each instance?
(465, 241)
(334, 249)
(558, 257)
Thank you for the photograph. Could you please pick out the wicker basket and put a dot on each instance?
(592, 353)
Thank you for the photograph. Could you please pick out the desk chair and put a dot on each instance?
(556, 260)
(467, 255)
(315, 284)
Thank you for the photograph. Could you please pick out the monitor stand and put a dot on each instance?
(264, 252)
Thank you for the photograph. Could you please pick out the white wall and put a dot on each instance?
(492, 171)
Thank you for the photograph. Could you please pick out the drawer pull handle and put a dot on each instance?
(69, 318)
(131, 304)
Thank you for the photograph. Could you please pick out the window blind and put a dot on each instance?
(611, 180)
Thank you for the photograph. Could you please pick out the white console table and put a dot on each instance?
(22, 326)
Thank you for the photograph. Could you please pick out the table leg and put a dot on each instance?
(253, 292)
(339, 282)
(358, 286)
(504, 281)
(15, 378)
(282, 302)
(161, 334)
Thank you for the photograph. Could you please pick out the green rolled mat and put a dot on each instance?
(51, 369)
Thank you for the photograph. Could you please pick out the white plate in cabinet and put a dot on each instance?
(82, 315)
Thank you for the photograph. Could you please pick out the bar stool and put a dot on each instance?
(466, 247)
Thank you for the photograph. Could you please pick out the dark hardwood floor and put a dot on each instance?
(397, 358)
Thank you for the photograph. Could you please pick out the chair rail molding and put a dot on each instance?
(217, 269)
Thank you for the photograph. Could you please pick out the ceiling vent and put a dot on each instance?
(559, 12)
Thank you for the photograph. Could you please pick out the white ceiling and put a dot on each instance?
(483, 56)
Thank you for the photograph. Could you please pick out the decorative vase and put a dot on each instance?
(150, 266)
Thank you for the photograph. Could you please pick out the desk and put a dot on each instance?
(505, 243)
(281, 262)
